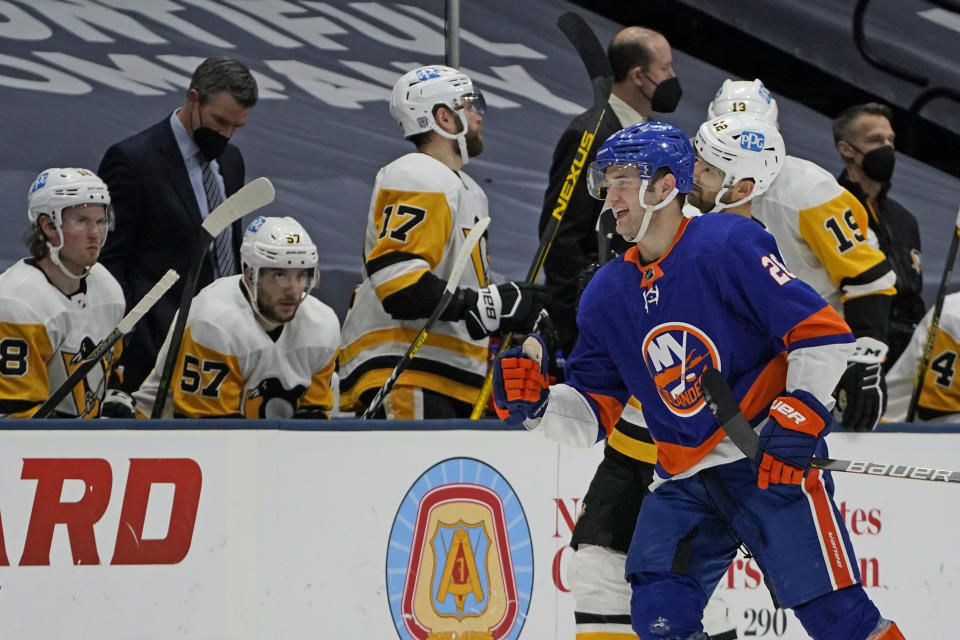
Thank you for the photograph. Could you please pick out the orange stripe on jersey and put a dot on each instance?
(831, 541)
(891, 633)
(609, 409)
(652, 270)
(676, 458)
(826, 322)
(769, 383)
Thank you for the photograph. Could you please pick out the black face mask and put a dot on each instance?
(877, 164)
(211, 143)
(666, 96)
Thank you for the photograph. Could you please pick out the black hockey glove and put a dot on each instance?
(511, 306)
(118, 404)
(862, 392)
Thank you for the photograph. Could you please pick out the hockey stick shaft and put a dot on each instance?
(725, 409)
(247, 199)
(934, 324)
(126, 323)
(456, 272)
(595, 60)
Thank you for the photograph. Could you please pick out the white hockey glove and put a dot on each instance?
(118, 404)
(511, 306)
(862, 391)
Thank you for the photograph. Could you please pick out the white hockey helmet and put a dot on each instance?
(743, 96)
(278, 243)
(56, 189)
(417, 92)
(743, 146)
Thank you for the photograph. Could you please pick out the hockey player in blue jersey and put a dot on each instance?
(710, 291)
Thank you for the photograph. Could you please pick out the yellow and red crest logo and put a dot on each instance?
(460, 561)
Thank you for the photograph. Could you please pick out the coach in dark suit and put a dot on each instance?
(644, 81)
(163, 182)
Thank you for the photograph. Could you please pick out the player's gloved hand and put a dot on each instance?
(520, 387)
(789, 437)
(118, 404)
(511, 306)
(862, 392)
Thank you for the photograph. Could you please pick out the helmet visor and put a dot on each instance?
(474, 102)
(600, 179)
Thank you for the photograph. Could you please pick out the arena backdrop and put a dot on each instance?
(79, 75)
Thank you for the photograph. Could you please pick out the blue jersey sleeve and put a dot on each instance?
(755, 283)
(590, 369)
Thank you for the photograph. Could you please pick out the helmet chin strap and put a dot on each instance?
(720, 206)
(461, 137)
(650, 208)
(54, 252)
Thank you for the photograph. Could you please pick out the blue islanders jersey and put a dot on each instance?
(719, 297)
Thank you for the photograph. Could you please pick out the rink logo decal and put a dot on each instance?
(676, 355)
(460, 556)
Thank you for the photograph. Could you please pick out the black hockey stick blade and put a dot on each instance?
(591, 52)
(726, 411)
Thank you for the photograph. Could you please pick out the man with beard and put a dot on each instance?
(824, 238)
(864, 138)
(256, 345)
(422, 207)
(163, 182)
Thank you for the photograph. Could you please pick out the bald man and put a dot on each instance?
(644, 81)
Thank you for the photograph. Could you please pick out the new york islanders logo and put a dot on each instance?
(460, 558)
(677, 354)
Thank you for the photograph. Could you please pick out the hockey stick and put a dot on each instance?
(92, 358)
(247, 199)
(725, 409)
(458, 265)
(595, 60)
(934, 324)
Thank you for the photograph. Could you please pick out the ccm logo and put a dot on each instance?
(782, 407)
(80, 516)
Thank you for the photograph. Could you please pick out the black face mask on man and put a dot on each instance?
(666, 96)
(211, 143)
(877, 164)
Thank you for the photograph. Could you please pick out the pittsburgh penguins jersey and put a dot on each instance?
(940, 396)
(229, 366)
(420, 214)
(819, 227)
(44, 335)
(720, 297)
